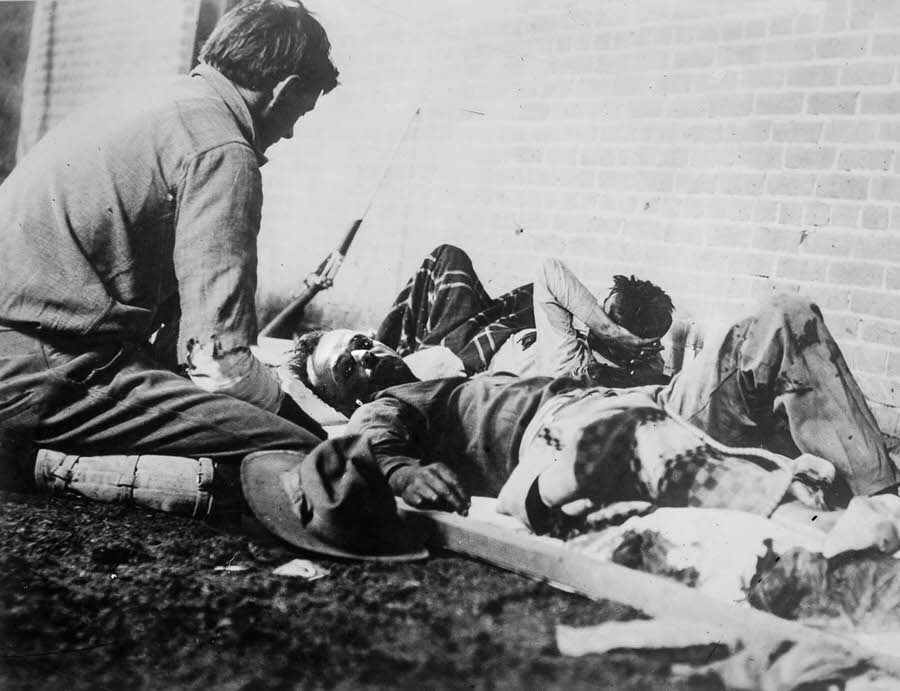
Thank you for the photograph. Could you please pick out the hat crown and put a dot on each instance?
(350, 502)
(333, 500)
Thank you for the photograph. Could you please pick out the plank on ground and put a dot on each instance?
(655, 596)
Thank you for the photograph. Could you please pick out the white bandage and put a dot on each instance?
(236, 372)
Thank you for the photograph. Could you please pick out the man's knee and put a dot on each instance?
(800, 313)
(549, 280)
(451, 257)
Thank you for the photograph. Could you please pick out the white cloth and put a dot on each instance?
(435, 362)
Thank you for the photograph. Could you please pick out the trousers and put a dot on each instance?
(777, 380)
(97, 399)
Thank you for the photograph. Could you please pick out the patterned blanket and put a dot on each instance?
(446, 304)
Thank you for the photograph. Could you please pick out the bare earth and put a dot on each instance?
(106, 597)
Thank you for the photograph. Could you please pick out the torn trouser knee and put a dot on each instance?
(777, 379)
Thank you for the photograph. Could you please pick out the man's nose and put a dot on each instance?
(366, 358)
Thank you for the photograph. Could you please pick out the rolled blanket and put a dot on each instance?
(165, 483)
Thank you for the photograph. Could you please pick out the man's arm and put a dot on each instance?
(559, 297)
(219, 201)
(396, 431)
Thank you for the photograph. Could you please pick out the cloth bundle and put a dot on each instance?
(165, 483)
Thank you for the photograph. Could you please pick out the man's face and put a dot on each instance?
(288, 105)
(612, 302)
(348, 366)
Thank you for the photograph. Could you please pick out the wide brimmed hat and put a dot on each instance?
(333, 500)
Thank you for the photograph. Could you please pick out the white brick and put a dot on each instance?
(797, 132)
(814, 157)
(781, 103)
(872, 159)
(887, 103)
(883, 305)
(842, 47)
(856, 274)
(790, 184)
(832, 103)
(875, 217)
(790, 213)
(850, 131)
(842, 186)
(812, 76)
(867, 73)
(801, 268)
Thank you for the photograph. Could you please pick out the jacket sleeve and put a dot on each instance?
(219, 202)
(394, 430)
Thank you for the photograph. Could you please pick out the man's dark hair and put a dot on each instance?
(303, 350)
(262, 42)
(642, 307)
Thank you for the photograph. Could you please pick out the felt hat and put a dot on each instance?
(333, 500)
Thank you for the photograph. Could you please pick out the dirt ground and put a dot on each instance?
(106, 597)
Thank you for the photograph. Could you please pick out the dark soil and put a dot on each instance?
(106, 597)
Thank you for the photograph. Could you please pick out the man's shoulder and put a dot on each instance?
(197, 115)
(183, 118)
(422, 391)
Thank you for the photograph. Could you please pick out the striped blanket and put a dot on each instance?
(445, 304)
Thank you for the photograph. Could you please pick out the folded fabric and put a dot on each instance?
(773, 665)
(868, 522)
(640, 634)
(779, 666)
(717, 551)
(859, 592)
(434, 362)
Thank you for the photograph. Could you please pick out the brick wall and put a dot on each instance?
(15, 25)
(725, 149)
(82, 48)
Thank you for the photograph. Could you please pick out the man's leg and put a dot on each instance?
(443, 293)
(446, 304)
(111, 401)
(130, 406)
(478, 339)
(778, 380)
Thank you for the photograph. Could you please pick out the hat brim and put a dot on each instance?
(261, 483)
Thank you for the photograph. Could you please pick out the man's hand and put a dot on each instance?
(624, 348)
(650, 365)
(634, 347)
(432, 486)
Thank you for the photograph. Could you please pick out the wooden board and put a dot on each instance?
(549, 561)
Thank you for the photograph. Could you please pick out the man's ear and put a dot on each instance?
(283, 90)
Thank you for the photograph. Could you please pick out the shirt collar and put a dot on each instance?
(229, 93)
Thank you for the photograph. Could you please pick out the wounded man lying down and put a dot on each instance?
(775, 384)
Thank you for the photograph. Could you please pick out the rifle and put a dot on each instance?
(323, 277)
(282, 326)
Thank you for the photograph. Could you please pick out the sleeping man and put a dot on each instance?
(776, 385)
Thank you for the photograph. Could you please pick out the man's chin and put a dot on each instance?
(390, 371)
